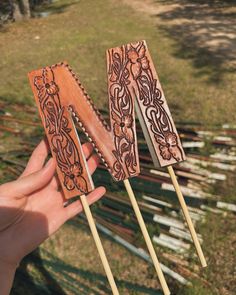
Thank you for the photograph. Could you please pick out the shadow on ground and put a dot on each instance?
(49, 9)
(56, 277)
(205, 32)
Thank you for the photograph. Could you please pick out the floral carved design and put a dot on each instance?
(59, 129)
(122, 117)
(138, 61)
(123, 127)
(169, 146)
(132, 76)
(151, 97)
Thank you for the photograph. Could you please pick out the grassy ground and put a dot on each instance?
(196, 83)
(199, 85)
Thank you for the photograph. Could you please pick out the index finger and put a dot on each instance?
(37, 158)
(41, 152)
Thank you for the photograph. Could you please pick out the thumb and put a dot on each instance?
(32, 182)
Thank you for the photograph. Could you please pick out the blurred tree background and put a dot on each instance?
(15, 10)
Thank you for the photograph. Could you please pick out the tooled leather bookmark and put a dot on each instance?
(133, 63)
(50, 92)
(54, 91)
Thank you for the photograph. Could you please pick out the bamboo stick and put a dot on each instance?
(146, 237)
(142, 254)
(25, 122)
(187, 216)
(99, 245)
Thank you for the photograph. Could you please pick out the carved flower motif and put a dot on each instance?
(72, 173)
(123, 127)
(138, 61)
(169, 147)
(51, 88)
(45, 84)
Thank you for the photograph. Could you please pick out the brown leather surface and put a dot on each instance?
(120, 158)
(50, 91)
(132, 75)
(132, 79)
(122, 117)
(114, 156)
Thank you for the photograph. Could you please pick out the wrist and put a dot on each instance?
(7, 273)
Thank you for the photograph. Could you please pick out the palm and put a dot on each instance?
(32, 207)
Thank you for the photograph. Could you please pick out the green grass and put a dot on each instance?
(73, 265)
(81, 33)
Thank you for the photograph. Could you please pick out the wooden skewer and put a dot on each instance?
(99, 244)
(146, 237)
(187, 216)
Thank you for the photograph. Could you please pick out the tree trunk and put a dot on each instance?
(17, 14)
(21, 9)
(25, 8)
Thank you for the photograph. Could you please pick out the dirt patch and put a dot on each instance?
(209, 27)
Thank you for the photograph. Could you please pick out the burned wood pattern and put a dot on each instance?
(131, 74)
(50, 91)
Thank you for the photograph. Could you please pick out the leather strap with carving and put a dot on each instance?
(131, 74)
(50, 91)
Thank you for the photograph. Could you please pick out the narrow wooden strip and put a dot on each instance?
(187, 217)
(142, 254)
(24, 122)
(99, 244)
(146, 237)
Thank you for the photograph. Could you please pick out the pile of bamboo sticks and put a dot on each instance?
(211, 155)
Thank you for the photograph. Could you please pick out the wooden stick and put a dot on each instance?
(99, 244)
(146, 237)
(187, 216)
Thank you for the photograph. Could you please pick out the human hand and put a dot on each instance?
(31, 207)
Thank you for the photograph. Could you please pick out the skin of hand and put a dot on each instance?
(32, 208)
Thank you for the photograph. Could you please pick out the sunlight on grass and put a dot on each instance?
(81, 34)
